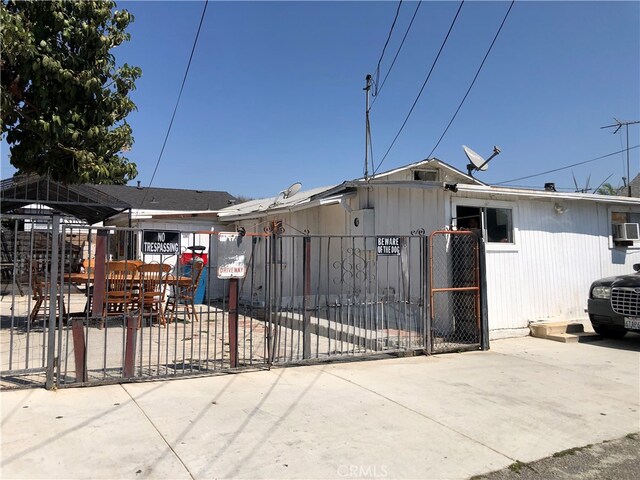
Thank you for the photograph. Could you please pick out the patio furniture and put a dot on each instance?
(119, 294)
(40, 292)
(185, 295)
(153, 284)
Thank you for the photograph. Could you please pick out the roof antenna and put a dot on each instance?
(618, 125)
(367, 138)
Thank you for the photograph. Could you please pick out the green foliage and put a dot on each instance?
(607, 189)
(64, 102)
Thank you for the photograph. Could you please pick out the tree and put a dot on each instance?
(64, 102)
(607, 189)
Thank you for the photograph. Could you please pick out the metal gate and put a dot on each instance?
(339, 296)
(304, 298)
(90, 333)
(458, 319)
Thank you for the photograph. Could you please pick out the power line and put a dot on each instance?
(378, 90)
(385, 45)
(564, 168)
(175, 109)
(421, 89)
(474, 80)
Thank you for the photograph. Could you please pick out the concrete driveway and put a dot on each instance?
(447, 416)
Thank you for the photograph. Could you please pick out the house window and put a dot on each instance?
(499, 225)
(425, 175)
(494, 224)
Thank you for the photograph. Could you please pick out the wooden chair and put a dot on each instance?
(185, 296)
(40, 293)
(153, 285)
(119, 294)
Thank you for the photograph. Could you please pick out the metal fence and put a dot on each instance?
(336, 296)
(304, 298)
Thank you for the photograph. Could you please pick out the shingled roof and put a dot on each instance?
(154, 198)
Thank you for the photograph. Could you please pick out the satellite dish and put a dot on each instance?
(292, 190)
(475, 158)
(478, 163)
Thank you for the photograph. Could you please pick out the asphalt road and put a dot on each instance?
(613, 460)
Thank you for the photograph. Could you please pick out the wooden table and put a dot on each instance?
(88, 277)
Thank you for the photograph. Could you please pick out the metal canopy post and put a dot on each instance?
(53, 300)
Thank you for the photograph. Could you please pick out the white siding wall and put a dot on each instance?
(547, 273)
(544, 275)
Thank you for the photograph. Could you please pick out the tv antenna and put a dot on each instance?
(596, 190)
(618, 125)
(478, 163)
(586, 185)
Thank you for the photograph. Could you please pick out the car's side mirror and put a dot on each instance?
(636, 267)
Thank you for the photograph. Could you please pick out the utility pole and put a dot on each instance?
(618, 125)
(367, 139)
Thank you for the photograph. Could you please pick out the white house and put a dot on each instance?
(542, 248)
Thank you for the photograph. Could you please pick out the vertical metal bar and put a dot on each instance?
(306, 279)
(484, 316)
(427, 314)
(215, 339)
(63, 312)
(53, 296)
(233, 321)
(317, 297)
(13, 298)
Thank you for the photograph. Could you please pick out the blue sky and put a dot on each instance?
(275, 90)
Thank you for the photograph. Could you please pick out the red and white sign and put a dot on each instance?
(231, 256)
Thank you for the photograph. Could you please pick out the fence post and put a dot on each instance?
(306, 280)
(427, 295)
(130, 346)
(233, 321)
(79, 349)
(53, 299)
(484, 314)
(273, 294)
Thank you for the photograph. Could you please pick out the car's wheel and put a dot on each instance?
(610, 332)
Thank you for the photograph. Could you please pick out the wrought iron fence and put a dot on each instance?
(304, 298)
(337, 296)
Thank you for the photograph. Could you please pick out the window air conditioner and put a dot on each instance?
(626, 231)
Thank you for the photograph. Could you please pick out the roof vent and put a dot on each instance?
(139, 187)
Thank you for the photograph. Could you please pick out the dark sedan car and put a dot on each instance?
(614, 304)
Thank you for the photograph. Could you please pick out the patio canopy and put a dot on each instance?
(81, 201)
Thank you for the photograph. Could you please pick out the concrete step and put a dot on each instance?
(567, 332)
